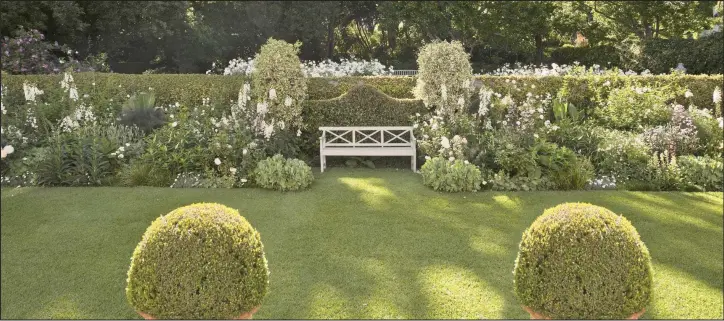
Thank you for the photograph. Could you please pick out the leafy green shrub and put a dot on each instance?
(621, 154)
(708, 132)
(661, 173)
(139, 111)
(283, 174)
(202, 261)
(581, 261)
(566, 170)
(580, 137)
(451, 176)
(634, 107)
(702, 173)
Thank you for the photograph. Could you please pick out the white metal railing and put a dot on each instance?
(404, 72)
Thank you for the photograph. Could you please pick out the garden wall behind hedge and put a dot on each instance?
(190, 89)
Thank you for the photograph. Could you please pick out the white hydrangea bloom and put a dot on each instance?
(445, 142)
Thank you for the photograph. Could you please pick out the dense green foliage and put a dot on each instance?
(283, 174)
(702, 56)
(202, 261)
(581, 261)
(189, 36)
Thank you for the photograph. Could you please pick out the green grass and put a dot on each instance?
(359, 244)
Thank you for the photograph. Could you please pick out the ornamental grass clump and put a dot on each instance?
(202, 261)
(581, 261)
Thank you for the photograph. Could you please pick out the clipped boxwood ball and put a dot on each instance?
(202, 261)
(581, 261)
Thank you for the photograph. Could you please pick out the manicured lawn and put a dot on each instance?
(360, 244)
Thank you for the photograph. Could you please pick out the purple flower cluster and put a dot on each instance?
(28, 53)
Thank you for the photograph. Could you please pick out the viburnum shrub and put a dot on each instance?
(283, 174)
(279, 86)
(445, 77)
(202, 261)
(28, 53)
(451, 175)
(581, 261)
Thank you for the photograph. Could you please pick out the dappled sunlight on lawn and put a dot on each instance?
(457, 293)
(505, 201)
(373, 191)
(327, 301)
(675, 290)
(62, 307)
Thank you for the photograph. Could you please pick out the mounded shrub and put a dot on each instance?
(202, 261)
(451, 175)
(581, 261)
(702, 173)
(283, 174)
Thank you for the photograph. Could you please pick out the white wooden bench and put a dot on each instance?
(367, 141)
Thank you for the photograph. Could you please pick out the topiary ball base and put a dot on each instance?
(537, 316)
(243, 316)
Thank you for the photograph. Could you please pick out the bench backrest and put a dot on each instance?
(396, 136)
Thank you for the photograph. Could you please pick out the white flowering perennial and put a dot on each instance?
(82, 115)
(558, 70)
(31, 92)
(313, 69)
(69, 87)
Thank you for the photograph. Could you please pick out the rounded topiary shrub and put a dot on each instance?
(581, 261)
(202, 261)
(283, 174)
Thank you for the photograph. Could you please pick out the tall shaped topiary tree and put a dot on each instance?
(444, 84)
(445, 77)
(279, 86)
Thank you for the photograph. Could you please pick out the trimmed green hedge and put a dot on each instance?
(190, 89)
(362, 105)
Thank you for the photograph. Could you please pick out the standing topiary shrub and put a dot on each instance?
(279, 86)
(445, 77)
(581, 261)
(283, 174)
(202, 261)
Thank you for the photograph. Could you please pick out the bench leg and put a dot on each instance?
(414, 164)
(322, 161)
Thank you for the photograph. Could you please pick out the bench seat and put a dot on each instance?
(367, 141)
